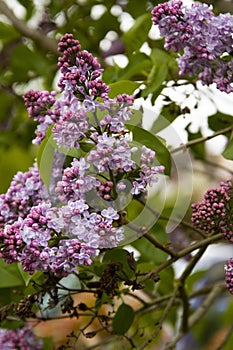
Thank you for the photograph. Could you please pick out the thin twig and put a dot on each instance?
(192, 264)
(160, 323)
(199, 313)
(203, 243)
(178, 221)
(201, 140)
(157, 244)
(42, 41)
(182, 290)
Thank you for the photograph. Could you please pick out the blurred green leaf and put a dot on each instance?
(123, 87)
(137, 66)
(8, 33)
(10, 275)
(45, 157)
(155, 80)
(198, 149)
(47, 343)
(144, 137)
(219, 121)
(24, 62)
(166, 282)
(25, 275)
(138, 33)
(228, 151)
(123, 319)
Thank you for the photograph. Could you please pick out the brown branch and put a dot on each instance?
(201, 139)
(157, 244)
(203, 243)
(42, 41)
(217, 290)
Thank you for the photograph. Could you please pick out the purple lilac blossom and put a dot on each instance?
(80, 71)
(57, 231)
(213, 214)
(20, 339)
(76, 181)
(204, 40)
(39, 105)
(71, 126)
(25, 188)
(112, 153)
(148, 173)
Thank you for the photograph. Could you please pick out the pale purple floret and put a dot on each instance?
(71, 126)
(112, 153)
(76, 181)
(148, 173)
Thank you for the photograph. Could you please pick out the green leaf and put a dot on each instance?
(138, 64)
(25, 275)
(10, 275)
(120, 256)
(144, 137)
(159, 56)
(228, 151)
(45, 157)
(136, 117)
(220, 121)
(24, 62)
(7, 33)
(136, 36)
(47, 343)
(166, 283)
(123, 87)
(123, 319)
(155, 80)
(168, 114)
(198, 149)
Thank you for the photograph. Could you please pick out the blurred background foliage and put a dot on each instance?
(120, 34)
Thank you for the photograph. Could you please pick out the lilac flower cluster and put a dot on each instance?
(214, 214)
(39, 104)
(204, 39)
(56, 227)
(25, 189)
(80, 70)
(148, 173)
(21, 339)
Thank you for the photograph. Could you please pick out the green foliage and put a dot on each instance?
(123, 87)
(143, 137)
(123, 319)
(10, 275)
(138, 33)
